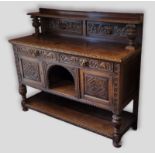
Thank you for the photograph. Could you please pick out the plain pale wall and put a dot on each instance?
(34, 132)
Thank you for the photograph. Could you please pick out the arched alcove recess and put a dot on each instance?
(61, 80)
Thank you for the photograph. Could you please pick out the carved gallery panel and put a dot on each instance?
(65, 25)
(30, 70)
(96, 86)
(106, 29)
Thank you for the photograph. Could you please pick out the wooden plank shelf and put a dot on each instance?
(88, 117)
(64, 88)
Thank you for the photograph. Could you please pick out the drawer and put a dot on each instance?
(87, 63)
(65, 59)
(96, 87)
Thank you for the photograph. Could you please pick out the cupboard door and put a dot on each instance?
(96, 87)
(31, 70)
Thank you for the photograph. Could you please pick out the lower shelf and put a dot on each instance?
(88, 117)
(65, 88)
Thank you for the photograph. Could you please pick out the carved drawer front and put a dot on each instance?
(96, 87)
(31, 72)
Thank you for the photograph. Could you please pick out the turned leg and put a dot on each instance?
(23, 91)
(116, 119)
(135, 112)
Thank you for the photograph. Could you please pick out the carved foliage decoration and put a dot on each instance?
(34, 52)
(64, 58)
(30, 70)
(106, 29)
(101, 65)
(65, 25)
(54, 56)
(69, 59)
(91, 63)
(116, 79)
(49, 55)
(96, 86)
(27, 51)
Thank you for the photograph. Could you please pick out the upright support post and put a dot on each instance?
(135, 111)
(36, 24)
(116, 119)
(23, 91)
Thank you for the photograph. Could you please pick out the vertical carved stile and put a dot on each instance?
(17, 64)
(84, 28)
(116, 118)
(131, 34)
(116, 85)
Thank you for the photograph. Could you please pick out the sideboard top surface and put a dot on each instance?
(101, 50)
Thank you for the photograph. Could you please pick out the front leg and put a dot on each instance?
(116, 119)
(135, 111)
(23, 91)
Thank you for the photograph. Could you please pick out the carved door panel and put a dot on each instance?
(96, 87)
(31, 71)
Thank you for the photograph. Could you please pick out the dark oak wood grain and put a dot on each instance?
(87, 117)
(87, 65)
(98, 50)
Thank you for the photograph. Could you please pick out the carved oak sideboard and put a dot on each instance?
(87, 66)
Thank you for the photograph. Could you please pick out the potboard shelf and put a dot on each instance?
(79, 114)
(64, 88)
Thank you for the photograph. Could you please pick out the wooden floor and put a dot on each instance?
(76, 113)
